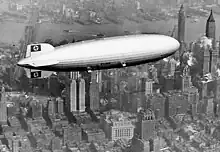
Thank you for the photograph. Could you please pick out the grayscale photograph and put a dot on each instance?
(109, 76)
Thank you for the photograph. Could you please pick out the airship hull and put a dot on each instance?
(99, 65)
(106, 53)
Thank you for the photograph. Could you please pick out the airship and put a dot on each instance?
(103, 53)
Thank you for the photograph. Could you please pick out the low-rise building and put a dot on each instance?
(93, 134)
(117, 125)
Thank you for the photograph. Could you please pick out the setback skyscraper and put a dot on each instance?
(3, 107)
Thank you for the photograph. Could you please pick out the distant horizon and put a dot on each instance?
(12, 32)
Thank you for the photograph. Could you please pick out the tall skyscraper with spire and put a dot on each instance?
(210, 33)
(210, 27)
(181, 32)
(181, 25)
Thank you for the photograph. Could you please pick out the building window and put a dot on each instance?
(129, 132)
(126, 132)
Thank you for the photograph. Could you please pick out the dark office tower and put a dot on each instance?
(210, 27)
(3, 107)
(181, 25)
(181, 32)
(146, 125)
(142, 84)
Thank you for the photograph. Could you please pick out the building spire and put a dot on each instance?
(181, 7)
(181, 10)
(211, 17)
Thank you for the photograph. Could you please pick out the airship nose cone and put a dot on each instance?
(173, 44)
(167, 45)
(176, 43)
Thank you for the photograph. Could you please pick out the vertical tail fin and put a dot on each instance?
(36, 50)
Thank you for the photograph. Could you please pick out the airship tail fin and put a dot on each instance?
(37, 74)
(36, 50)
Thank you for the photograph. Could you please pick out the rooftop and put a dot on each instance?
(115, 115)
(93, 130)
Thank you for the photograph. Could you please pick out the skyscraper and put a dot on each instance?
(206, 61)
(146, 125)
(60, 105)
(51, 107)
(210, 33)
(172, 67)
(210, 27)
(73, 94)
(181, 25)
(186, 79)
(100, 80)
(214, 60)
(77, 95)
(181, 32)
(3, 107)
(149, 87)
(94, 96)
(94, 76)
(82, 86)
